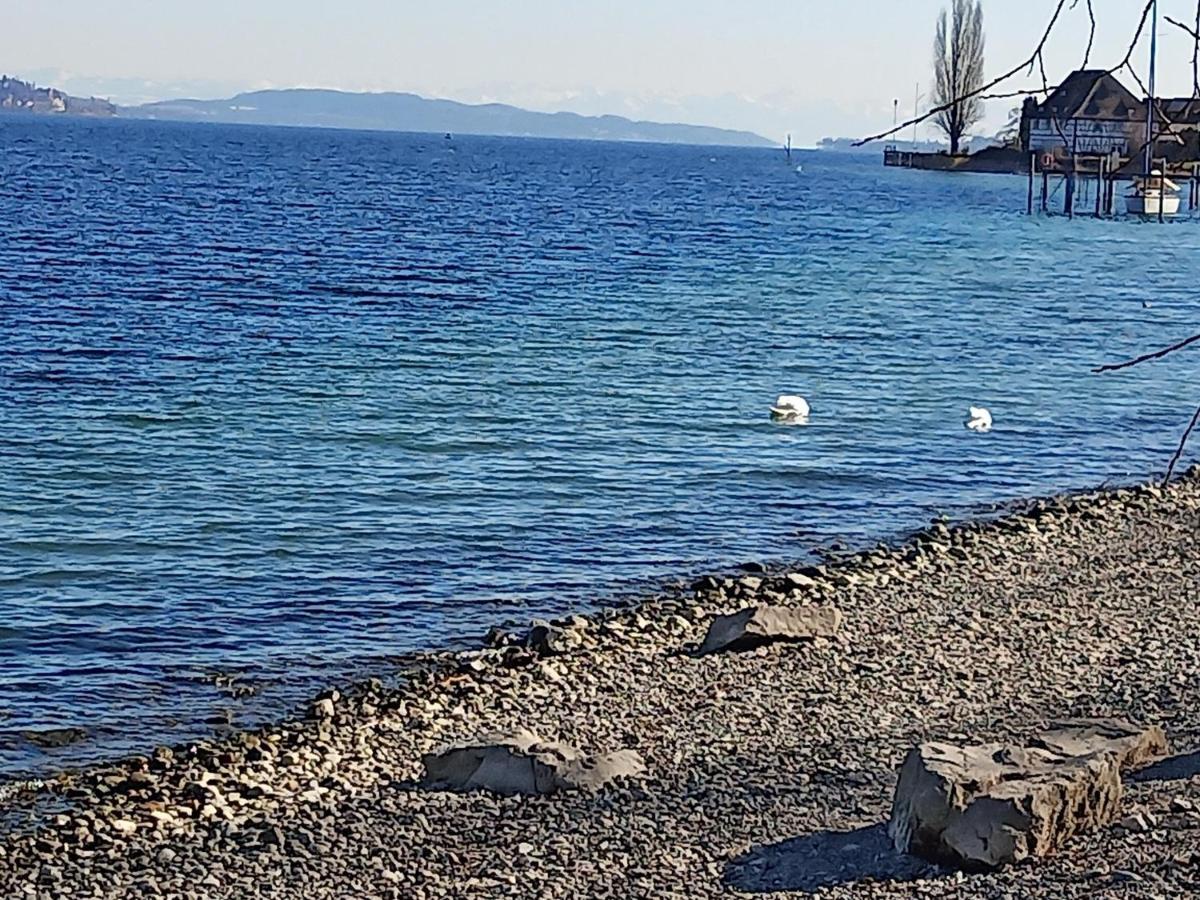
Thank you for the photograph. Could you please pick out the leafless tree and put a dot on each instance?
(958, 69)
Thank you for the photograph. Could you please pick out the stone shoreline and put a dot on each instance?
(767, 771)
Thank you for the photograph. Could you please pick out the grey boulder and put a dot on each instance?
(984, 806)
(757, 626)
(1132, 745)
(522, 763)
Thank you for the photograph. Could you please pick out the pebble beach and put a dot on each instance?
(769, 772)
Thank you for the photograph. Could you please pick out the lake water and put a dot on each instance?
(283, 402)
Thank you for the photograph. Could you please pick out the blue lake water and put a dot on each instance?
(283, 402)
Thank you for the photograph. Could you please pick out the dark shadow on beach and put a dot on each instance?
(823, 860)
(1174, 768)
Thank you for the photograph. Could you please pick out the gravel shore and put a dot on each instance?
(767, 772)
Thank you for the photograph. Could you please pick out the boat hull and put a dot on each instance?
(1149, 205)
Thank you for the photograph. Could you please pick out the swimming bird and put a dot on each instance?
(980, 420)
(790, 408)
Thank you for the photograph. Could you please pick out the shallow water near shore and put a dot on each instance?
(279, 403)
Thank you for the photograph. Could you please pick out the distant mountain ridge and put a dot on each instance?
(410, 112)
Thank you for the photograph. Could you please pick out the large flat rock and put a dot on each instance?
(983, 806)
(522, 763)
(1133, 745)
(757, 626)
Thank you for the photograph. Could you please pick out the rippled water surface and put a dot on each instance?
(280, 402)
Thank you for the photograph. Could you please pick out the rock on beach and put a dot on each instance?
(757, 626)
(987, 805)
(523, 763)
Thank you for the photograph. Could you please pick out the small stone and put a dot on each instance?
(323, 709)
(544, 639)
(796, 580)
(1135, 822)
(124, 826)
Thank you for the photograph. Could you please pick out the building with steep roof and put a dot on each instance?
(1091, 113)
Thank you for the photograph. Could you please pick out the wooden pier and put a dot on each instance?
(1079, 176)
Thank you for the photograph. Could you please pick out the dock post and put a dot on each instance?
(1032, 167)
(1069, 199)
(1099, 184)
(1045, 189)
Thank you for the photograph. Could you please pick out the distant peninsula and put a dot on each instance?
(24, 96)
(410, 112)
(851, 145)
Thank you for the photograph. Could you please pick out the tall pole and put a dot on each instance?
(1149, 155)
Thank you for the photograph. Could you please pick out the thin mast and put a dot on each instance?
(1149, 155)
(916, 113)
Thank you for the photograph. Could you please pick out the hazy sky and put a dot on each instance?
(811, 67)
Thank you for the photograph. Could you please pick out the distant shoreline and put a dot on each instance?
(392, 111)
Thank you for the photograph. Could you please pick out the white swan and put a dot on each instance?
(980, 420)
(790, 408)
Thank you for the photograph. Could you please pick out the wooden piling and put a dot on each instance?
(1032, 167)
(1045, 189)
(1099, 185)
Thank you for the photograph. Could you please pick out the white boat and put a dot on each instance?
(1152, 195)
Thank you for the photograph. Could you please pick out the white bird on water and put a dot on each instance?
(790, 408)
(980, 420)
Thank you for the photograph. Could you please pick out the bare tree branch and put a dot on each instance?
(1157, 354)
(1178, 24)
(1182, 444)
(1087, 54)
(1049, 89)
(1194, 34)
